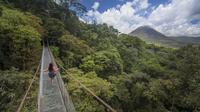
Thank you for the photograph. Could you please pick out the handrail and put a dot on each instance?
(24, 98)
(87, 89)
(40, 94)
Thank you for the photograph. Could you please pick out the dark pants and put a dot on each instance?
(51, 74)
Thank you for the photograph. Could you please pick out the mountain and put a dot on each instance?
(150, 35)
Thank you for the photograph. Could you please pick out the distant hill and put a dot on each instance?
(192, 40)
(150, 35)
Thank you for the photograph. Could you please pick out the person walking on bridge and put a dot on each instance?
(52, 71)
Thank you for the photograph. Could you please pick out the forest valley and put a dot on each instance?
(127, 73)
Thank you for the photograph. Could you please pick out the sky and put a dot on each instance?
(170, 17)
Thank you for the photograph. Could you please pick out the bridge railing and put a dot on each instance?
(69, 102)
(65, 95)
(40, 94)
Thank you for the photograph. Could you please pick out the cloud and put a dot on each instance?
(143, 4)
(95, 5)
(174, 18)
(122, 17)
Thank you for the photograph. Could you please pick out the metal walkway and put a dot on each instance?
(52, 97)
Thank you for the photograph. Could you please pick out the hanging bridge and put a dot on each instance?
(52, 97)
(55, 97)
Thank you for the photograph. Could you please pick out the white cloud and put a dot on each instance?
(143, 4)
(173, 18)
(95, 5)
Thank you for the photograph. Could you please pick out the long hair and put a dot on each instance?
(50, 67)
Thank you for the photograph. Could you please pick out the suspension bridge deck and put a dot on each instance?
(50, 95)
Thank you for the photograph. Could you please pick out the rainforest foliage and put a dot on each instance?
(127, 73)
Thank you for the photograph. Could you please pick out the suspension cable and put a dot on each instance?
(87, 89)
(24, 98)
